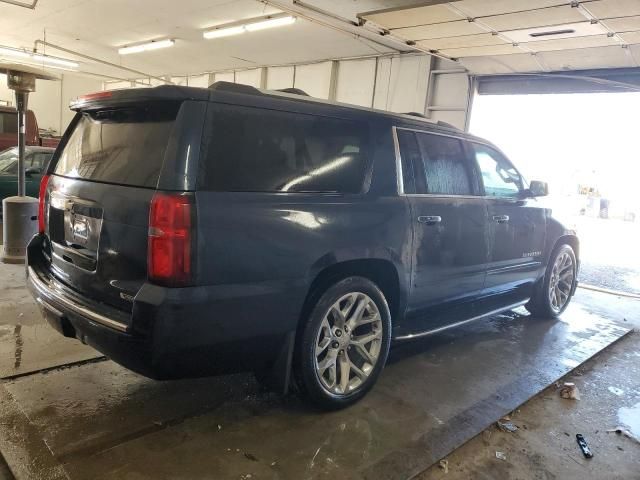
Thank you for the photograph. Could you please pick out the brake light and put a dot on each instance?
(170, 235)
(44, 182)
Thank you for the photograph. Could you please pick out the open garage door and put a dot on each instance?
(576, 131)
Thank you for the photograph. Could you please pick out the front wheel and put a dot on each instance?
(344, 344)
(558, 284)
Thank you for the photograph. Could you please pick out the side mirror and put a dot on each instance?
(538, 189)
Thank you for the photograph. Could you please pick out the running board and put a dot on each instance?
(458, 324)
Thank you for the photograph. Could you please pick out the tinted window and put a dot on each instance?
(410, 156)
(261, 150)
(446, 167)
(124, 146)
(498, 175)
(8, 122)
(40, 159)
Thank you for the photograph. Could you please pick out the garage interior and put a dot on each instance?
(481, 65)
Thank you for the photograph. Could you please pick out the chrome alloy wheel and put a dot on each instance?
(561, 281)
(348, 343)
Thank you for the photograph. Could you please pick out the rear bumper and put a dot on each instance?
(172, 332)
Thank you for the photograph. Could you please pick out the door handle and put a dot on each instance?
(429, 219)
(501, 218)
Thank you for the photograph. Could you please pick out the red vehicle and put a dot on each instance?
(9, 130)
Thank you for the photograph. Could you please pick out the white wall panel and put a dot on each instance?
(179, 80)
(356, 79)
(201, 81)
(315, 79)
(50, 101)
(116, 85)
(72, 87)
(381, 91)
(225, 77)
(250, 77)
(45, 102)
(406, 81)
(279, 77)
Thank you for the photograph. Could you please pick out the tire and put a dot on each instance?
(546, 304)
(325, 348)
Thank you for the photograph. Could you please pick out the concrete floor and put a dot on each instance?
(544, 446)
(65, 412)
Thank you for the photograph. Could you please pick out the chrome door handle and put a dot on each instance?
(501, 218)
(429, 219)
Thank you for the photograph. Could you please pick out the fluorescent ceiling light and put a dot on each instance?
(236, 28)
(224, 32)
(54, 60)
(37, 58)
(270, 23)
(13, 52)
(143, 47)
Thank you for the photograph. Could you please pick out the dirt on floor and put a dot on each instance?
(544, 445)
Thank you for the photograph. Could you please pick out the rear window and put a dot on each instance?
(8, 122)
(124, 146)
(257, 150)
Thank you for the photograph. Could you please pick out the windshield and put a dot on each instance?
(7, 160)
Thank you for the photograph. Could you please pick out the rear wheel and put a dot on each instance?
(344, 344)
(558, 285)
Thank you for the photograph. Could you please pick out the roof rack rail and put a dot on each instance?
(294, 91)
(415, 114)
(234, 87)
(446, 124)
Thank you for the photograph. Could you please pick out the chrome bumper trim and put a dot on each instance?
(57, 297)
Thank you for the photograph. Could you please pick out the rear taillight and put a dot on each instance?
(41, 201)
(170, 236)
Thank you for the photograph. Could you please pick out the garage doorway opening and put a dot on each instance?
(587, 147)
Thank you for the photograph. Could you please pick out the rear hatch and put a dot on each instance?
(102, 179)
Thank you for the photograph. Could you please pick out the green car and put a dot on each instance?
(36, 160)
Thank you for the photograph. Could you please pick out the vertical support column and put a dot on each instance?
(333, 80)
(22, 99)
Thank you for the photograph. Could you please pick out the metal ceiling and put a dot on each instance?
(499, 36)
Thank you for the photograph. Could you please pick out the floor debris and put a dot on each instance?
(623, 431)
(501, 456)
(586, 451)
(444, 465)
(506, 426)
(616, 391)
(570, 391)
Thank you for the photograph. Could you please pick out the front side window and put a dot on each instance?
(500, 178)
(258, 150)
(446, 167)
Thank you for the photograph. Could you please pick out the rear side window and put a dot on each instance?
(446, 167)
(124, 146)
(258, 150)
(8, 122)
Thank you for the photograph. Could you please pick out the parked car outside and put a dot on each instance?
(36, 161)
(9, 130)
(187, 232)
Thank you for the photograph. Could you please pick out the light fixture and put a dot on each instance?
(143, 47)
(224, 32)
(270, 23)
(261, 23)
(37, 58)
(54, 60)
(13, 52)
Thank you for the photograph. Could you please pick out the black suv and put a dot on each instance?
(188, 231)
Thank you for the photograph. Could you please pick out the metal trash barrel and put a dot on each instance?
(20, 223)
